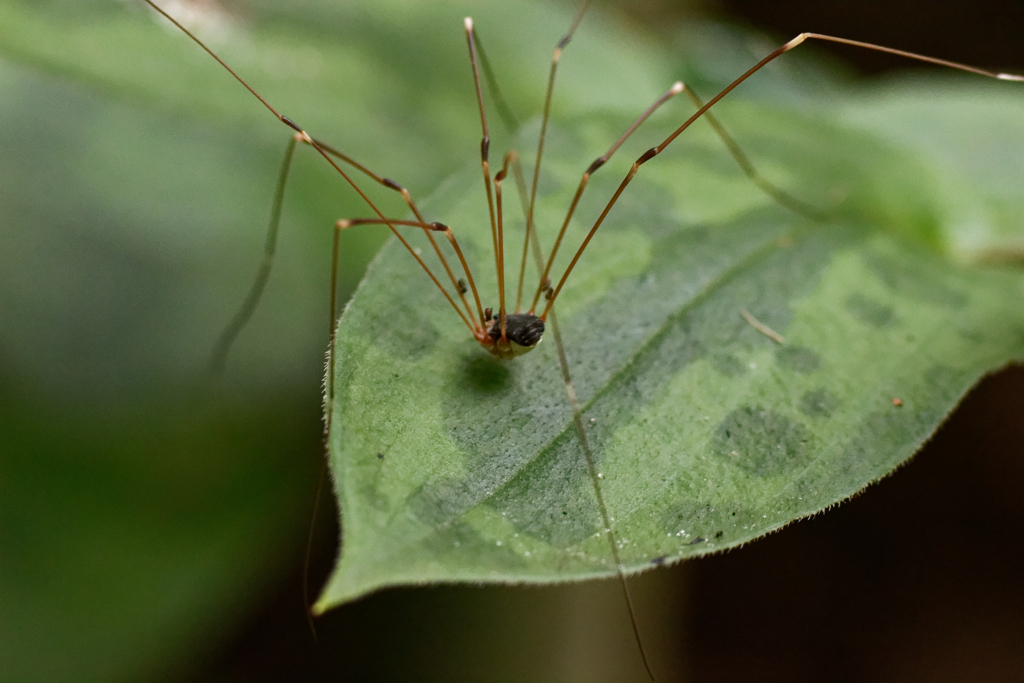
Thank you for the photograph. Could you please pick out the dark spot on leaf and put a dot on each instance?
(438, 503)
(819, 403)
(719, 534)
(413, 340)
(369, 495)
(696, 541)
(761, 441)
(550, 497)
(728, 365)
(973, 336)
(658, 561)
(798, 359)
(380, 456)
(485, 374)
(917, 277)
(868, 311)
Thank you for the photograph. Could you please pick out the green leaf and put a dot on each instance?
(451, 466)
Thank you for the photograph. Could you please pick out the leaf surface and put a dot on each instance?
(707, 433)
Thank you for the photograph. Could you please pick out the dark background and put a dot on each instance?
(917, 578)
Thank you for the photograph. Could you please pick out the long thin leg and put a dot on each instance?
(485, 143)
(546, 115)
(676, 88)
(392, 223)
(435, 227)
(477, 52)
(241, 318)
(328, 416)
(595, 478)
(303, 136)
(531, 238)
(407, 198)
(777, 193)
(578, 421)
(655, 151)
(556, 57)
(504, 111)
(510, 157)
(485, 165)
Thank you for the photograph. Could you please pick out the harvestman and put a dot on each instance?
(506, 334)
